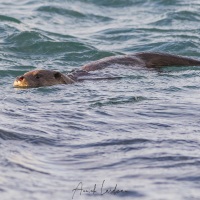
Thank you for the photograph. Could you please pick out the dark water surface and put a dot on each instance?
(140, 132)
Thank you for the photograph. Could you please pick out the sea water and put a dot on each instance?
(136, 137)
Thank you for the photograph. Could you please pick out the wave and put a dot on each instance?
(71, 13)
(33, 139)
(9, 19)
(118, 101)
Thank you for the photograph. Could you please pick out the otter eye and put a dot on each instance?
(37, 76)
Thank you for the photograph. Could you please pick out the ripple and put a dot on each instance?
(118, 142)
(26, 38)
(61, 11)
(36, 43)
(71, 13)
(33, 139)
(114, 3)
(186, 15)
(181, 15)
(118, 101)
(9, 19)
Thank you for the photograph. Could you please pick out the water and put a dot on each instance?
(140, 132)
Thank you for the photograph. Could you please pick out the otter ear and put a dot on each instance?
(64, 79)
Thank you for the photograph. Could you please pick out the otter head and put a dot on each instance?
(39, 78)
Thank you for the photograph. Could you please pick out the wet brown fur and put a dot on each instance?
(38, 78)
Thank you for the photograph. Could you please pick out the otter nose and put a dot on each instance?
(21, 78)
(18, 81)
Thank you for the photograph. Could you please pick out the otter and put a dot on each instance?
(39, 78)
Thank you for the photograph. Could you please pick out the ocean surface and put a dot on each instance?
(134, 137)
